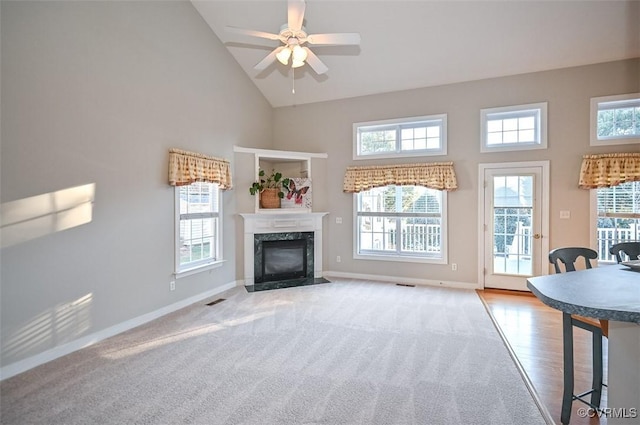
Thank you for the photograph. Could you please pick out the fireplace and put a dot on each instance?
(292, 238)
(283, 256)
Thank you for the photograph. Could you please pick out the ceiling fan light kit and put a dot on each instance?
(293, 35)
(283, 55)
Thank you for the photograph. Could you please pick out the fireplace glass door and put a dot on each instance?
(284, 259)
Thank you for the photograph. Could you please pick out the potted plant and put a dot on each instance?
(269, 188)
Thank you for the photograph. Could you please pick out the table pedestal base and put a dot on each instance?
(623, 396)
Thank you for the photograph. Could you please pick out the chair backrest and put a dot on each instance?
(568, 257)
(631, 249)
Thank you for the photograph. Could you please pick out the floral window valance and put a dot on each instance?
(608, 170)
(437, 175)
(189, 167)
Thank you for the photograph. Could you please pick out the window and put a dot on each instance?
(418, 136)
(402, 223)
(618, 211)
(509, 128)
(197, 226)
(615, 120)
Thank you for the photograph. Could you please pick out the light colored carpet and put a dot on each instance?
(348, 352)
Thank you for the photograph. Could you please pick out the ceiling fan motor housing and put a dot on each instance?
(291, 37)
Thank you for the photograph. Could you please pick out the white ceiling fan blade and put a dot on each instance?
(337, 39)
(316, 64)
(295, 14)
(268, 60)
(253, 33)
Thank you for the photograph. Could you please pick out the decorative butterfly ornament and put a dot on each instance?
(298, 193)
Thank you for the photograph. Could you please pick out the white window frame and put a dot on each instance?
(408, 257)
(439, 120)
(215, 260)
(595, 243)
(537, 110)
(611, 102)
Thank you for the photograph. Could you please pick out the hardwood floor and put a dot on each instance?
(534, 332)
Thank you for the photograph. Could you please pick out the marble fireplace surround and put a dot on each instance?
(281, 222)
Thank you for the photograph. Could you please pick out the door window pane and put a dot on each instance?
(512, 219)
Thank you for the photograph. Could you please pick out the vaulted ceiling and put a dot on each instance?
(411, 44)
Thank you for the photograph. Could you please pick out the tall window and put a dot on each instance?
(401, 222)
(618, 217)
(418, 136)
(197, 225)
(615, 119)
(514, 127)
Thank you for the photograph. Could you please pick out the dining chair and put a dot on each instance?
(630, 249)
(569, 257)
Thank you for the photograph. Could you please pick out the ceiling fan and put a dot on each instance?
(293, 36)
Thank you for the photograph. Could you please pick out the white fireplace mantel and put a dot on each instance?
(275, 222)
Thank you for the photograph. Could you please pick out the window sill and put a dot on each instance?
(513, 147)
(615, 141)
(398, 258)
(198, 269)
(404, 154)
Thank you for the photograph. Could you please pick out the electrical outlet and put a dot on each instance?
(338, 259)
(454, 267)
(172, 285)
(338, 220)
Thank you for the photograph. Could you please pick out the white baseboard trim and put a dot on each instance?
(402, 280)
(68, 348)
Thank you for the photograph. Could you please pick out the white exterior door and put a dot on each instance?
(513, 224)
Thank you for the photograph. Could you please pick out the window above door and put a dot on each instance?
(509, 128)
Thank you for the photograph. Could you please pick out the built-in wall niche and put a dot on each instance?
(295, 165)
(292, 168)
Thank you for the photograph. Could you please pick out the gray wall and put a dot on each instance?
(327, 127)
(96, 93)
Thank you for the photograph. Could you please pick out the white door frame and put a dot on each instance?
(544, 211)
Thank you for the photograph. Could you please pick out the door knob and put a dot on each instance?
(537, 236)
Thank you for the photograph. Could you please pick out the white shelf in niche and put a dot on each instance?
(290, 164)
(276, 211)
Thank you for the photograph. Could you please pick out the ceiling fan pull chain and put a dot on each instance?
(293, 81)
